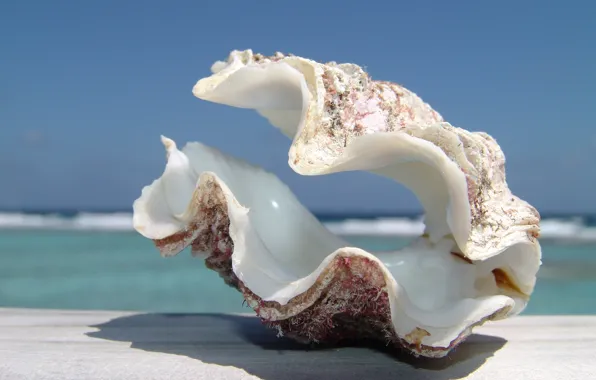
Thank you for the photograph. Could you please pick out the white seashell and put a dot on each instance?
(477, 260)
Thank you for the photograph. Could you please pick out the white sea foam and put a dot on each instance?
(83, 221)
(379, 226)
(564, 230)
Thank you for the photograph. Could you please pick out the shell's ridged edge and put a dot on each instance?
(349, 299)
(343, 96)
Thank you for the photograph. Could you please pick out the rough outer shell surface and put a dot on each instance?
(476, 261)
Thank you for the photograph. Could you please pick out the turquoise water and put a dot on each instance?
(123, 271)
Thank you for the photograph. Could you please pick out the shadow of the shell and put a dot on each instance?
(243, 342)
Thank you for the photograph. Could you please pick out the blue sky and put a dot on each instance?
(87, 87)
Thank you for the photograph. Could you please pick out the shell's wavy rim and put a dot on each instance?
(348, 300)
(341, 104)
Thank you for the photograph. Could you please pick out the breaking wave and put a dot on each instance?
(119, 221)
(563, 229)
(571, 229)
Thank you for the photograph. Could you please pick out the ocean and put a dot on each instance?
(70, 260)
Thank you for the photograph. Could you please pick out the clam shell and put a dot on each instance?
(477, 260)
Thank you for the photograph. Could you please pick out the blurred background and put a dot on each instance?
(88, 87)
